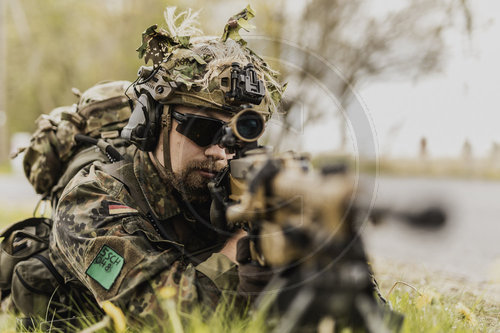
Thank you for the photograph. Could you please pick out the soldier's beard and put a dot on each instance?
(191, 184)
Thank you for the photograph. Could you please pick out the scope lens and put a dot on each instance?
(249, 125)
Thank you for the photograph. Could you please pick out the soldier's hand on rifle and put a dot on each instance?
(253, 277)
(230, 248)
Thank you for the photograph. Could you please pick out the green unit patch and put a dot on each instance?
(106, 267)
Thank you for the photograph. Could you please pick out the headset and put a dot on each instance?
(144, 125)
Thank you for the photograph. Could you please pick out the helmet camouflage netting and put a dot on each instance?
(196, 64)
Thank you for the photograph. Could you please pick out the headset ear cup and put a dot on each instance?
(144, 125)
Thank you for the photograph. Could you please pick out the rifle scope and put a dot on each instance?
(247, 125)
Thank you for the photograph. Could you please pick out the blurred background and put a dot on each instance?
(424, 74)
(423, 70)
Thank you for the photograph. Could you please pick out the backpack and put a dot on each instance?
(54, 154)
(65, 141)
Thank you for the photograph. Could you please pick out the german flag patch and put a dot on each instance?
(115, 208)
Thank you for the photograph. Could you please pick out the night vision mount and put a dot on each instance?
(246, 87)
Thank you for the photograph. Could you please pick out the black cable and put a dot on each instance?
(110, 151)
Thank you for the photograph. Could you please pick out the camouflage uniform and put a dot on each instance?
(103, 242)
(103, 245)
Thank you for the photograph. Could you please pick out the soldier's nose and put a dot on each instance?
(216, 152)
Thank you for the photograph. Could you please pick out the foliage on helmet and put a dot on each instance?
(195, 63)
(237, 22)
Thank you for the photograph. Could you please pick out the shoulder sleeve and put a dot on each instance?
(102, 239)
(114, 252)
(221, 271)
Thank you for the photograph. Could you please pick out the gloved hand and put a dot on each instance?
(253, 277)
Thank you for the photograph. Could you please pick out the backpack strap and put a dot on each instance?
(48, 264)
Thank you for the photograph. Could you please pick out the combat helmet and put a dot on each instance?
(219, 73)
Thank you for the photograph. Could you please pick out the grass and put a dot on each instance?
(430, 312)
(425, 311)
(439, 302)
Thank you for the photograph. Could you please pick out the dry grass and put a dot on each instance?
(421, 167)
(442, 299)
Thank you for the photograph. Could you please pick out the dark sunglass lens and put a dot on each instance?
(201, 131)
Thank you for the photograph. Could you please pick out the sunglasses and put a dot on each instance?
(203, 131)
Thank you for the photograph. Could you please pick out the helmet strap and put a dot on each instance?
(165, 170)
(166, 120)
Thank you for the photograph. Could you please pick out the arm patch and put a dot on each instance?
(106, 267)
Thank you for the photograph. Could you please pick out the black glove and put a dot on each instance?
(253, 277)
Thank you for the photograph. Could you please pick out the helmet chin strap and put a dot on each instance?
(164, 170)
(166, 121)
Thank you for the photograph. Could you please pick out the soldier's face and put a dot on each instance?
(194, 166)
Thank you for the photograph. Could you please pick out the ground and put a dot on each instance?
(440, 296)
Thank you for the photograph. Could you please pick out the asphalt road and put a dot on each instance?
(468, 245)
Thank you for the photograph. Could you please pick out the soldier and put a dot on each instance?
(124, 231)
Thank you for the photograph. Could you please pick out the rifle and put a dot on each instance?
(304, 224)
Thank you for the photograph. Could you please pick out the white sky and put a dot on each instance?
(448, 108)
(457, 104)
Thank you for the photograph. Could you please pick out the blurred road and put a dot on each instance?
(467, 246)
(15, 190)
